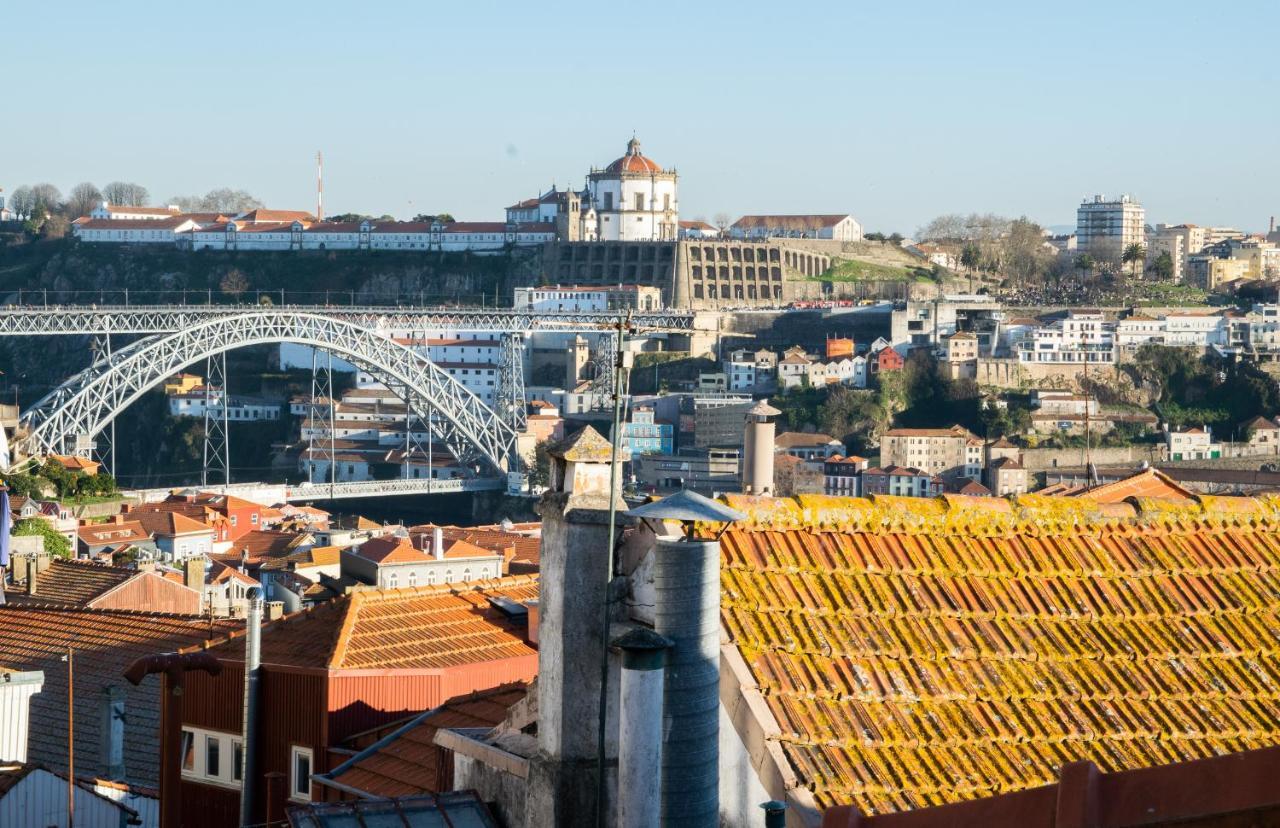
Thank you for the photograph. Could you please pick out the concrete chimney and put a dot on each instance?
(252, 678)
(644, 654)
(33, 570)
(193, 573)
(275, 610)
(757, 449)
(686, 581)
(437, 543)
(574, 579)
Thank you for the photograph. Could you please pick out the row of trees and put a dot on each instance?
(47, 213)
(994, 245)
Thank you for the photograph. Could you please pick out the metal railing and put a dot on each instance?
(295, 493)
(38, 320)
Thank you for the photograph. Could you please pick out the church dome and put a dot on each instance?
(633, 161)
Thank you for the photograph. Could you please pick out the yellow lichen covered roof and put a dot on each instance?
(923, 651)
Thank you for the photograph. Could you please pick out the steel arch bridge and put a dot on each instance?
(80, 408)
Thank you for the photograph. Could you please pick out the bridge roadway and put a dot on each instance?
(40, 320)
(269, 494)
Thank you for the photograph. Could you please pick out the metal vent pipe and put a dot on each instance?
(687, 582)
(252, 670)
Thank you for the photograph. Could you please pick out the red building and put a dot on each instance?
(230, 517)
(887, 359)
(355, 663)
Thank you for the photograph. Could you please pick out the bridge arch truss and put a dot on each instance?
(73, 414)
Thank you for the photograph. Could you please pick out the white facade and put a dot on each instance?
(576, 299)
(16, 690)
(239, 410)
(634, 199)
(159, 230)
(837, 227)
(107, 210)
(479, 237)
(1082, 337)
(39, 800)
(1105, 228)
(1192, 444)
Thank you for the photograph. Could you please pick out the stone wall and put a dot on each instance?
(1038, 460)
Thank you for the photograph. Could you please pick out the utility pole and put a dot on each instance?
(71, 735)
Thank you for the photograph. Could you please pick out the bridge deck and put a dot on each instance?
(270, 493)
(28, 320)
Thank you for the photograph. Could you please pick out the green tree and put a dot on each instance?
(55, 543)
(1085, 265)
(1133, 255)
(540, 472)
(1163, 266)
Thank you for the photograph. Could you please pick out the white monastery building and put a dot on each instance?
(835, 227)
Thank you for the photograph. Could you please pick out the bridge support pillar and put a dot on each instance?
(217, 439)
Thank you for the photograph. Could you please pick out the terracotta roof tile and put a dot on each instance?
(430, 627)
(921, 652)
(73, 583)
(106, 642)
(402, 758)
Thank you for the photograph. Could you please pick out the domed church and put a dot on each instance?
(634, 199)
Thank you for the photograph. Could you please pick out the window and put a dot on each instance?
(253, 518)
(205, 757)
(639, 201)
(300, 773)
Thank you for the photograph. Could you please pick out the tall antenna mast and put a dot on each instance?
(319, 186)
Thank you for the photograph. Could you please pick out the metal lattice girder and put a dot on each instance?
(509, 397)
(217, 436)
(105, 390)
(150, 319)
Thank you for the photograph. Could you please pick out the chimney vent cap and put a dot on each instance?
(686, 506)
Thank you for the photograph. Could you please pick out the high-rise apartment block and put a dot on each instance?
(1105, 228)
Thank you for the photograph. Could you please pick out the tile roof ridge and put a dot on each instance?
(342, 640)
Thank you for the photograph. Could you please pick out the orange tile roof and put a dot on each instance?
(1150, 484)
(390, 549)
(922, 651)
(168, 523)
(401, 758)
(431, 627)
(98, 534)
(72, 583)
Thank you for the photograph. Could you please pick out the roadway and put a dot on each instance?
(271, 493)
(41, 320)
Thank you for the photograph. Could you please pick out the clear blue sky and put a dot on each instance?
(893, 111)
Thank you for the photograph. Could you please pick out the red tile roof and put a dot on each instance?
(921, 651)
(402, 758)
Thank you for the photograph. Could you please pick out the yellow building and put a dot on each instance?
(182, 383)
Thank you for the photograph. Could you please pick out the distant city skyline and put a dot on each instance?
(893, 115)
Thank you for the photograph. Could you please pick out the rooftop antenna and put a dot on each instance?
(319, 186)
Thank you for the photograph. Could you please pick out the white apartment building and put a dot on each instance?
(479, 236)
(739, 376)
(1105, 228)
(1191, 444)
(195, 403)
(1180, 241)
(106, 210)
(1081, 337)
(942, 452)
(572, 298)
(167, 229)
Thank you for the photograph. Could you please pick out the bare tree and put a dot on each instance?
(126, 194)
(233, 283)
(55, 227)
(21, 201)
(83, 198)
(226, 200)
(722, 221)
(45, 197)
